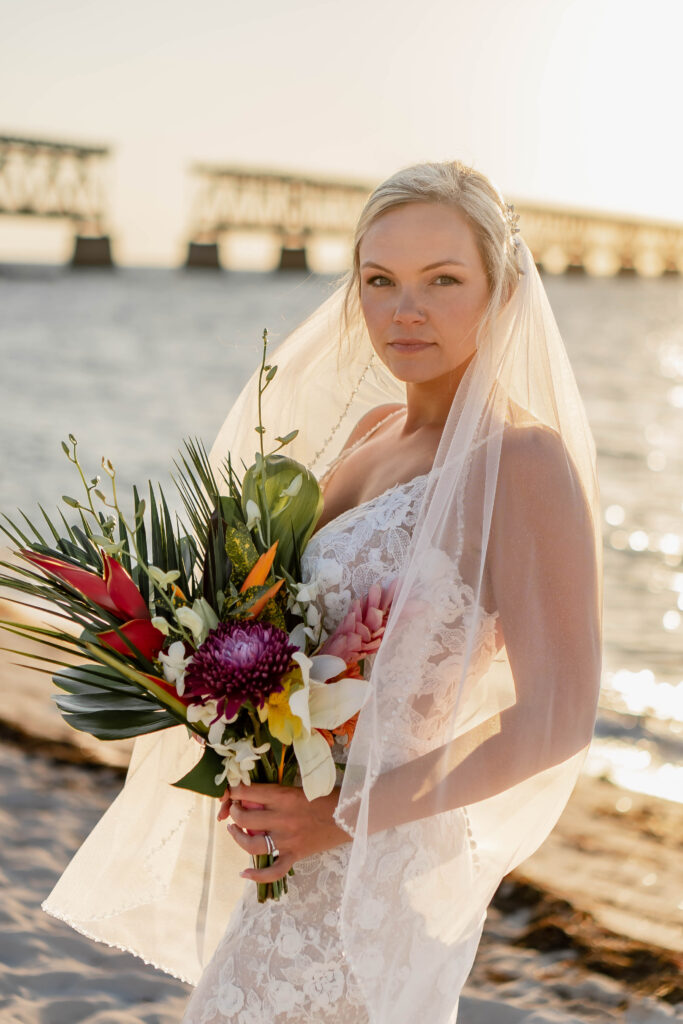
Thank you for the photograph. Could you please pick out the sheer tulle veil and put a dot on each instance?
(483, 691)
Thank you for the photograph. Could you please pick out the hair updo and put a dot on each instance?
(462, 188)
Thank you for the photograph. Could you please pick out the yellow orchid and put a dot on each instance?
(282, 723)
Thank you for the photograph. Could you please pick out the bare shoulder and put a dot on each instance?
(531, 449)
(370, 420)
(538, 473)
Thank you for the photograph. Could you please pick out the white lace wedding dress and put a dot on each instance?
(283, 962)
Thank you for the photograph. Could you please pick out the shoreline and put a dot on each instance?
(590, 928)
(550, 935)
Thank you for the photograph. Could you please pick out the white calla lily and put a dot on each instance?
(294, 487)
(321, 705)
(298, 636)
(200, 619)
(160, 623)
(253, 514)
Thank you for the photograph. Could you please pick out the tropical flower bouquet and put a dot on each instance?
(208, 625)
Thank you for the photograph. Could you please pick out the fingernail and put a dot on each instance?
(244, 874)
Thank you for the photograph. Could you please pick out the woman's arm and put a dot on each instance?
(543, 571)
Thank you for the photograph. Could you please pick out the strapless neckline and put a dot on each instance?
(369, 502)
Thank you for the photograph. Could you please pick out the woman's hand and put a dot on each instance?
(298, 827)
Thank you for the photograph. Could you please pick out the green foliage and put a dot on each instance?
(201, 779)
(241, 550)
(106, 705)
(239, 606)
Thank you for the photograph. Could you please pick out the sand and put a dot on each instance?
(590, 929)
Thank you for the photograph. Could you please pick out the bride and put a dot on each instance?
(467, 475)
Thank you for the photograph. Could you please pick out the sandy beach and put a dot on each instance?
(589, 929)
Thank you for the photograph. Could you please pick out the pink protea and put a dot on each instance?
(360, 632)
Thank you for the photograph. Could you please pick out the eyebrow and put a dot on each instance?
(430, 266)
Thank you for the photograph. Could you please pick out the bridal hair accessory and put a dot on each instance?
(512, 219)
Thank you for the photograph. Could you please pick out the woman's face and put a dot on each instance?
(423, 290)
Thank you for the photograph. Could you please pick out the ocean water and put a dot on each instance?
(133, 360)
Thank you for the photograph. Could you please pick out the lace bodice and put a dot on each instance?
(365, 545)
(283, 963)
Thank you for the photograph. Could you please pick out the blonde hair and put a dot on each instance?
(462, 188)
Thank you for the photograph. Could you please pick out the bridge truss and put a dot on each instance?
(299, 208)
(40, 178)
(239, 199)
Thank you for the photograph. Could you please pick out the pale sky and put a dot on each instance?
(570, 101)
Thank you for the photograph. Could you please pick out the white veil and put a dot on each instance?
(483, 691)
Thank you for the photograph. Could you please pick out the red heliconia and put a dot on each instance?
(169, 688)
(127, 598)
(88, 583)
(142, 634)
(116, 593)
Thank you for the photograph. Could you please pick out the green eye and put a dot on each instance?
(378, 281)
(446, 279)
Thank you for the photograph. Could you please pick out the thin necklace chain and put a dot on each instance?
(356, 444)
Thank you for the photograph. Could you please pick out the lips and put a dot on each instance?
(409, 345)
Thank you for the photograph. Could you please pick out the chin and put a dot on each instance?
(418, 372)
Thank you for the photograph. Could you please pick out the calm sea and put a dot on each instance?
(133, 360)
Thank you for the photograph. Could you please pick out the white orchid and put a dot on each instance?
(200, 619)
(160, 623)
(162, 579)
(295, 715)
(305, 593)
(109, 546)
(239, 758)
(207, 714)
(303, 604)
(175, 665)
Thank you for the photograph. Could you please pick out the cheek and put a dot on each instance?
(466, 308)
(376, 311)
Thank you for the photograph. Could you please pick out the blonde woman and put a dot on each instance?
(434, 397)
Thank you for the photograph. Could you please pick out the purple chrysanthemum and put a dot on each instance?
(238, 662)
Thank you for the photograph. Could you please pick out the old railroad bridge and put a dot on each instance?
(62, 180)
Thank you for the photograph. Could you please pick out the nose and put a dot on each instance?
(407, 309)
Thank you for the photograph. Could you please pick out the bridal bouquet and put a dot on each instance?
(209, 626)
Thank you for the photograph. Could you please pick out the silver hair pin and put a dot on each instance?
(512, 219)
